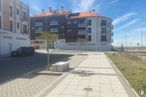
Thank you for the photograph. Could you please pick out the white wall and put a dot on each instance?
(0, 43)
(12, 41)
(60, 44)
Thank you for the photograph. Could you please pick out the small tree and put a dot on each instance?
(49, 37)
(81, 41)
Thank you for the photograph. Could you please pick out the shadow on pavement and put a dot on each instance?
(12, 68)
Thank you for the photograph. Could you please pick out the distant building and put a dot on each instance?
(14, 25)
(94, 28)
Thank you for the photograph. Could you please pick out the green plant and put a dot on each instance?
(49, 37)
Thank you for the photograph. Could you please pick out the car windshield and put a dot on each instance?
(21, 48)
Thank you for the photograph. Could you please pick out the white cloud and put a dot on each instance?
(36, 8)
(127, 25)
(84, 5)
(114, 1)
(123, 18)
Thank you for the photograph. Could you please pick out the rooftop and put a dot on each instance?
(52, 13)
(84, 14)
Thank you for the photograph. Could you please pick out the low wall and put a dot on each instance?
(61, 44)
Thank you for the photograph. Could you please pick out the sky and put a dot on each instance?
(129, 16)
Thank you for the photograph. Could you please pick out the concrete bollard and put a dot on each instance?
(60, 66)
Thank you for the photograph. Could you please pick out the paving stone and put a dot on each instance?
(94, 77)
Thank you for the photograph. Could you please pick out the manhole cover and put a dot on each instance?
(88, 89)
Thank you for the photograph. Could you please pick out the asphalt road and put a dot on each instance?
(11, 68)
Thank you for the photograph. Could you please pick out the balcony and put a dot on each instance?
(56, 30)
(112, 33)
(82, 25)
(38, 31)
(82, 32)
(39, 24)
(25, 19)
(54, 23)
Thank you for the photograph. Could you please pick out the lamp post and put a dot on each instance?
(141, 39)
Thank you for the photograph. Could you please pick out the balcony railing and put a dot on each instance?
(82, 32)
(39, 31)
(54, 30)
(82, 25)
(54, 23)
(39, 24)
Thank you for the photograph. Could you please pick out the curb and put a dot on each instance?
(48, 89)
(131, 92)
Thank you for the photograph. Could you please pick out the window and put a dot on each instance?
(54, 22)
(75, 22)
(0, 23)
(81, 22)
(89, 22)
(103, 23)
(54, 30)
(89, 38)
(11, 26)
(0, 4)
(11, 11)
(24, 29)
(103, 30)
(39, 29)
(17, 11)
(69, 22)
(17, 25)
(89, 30)
(38, 24)
(103, 38)
(24, 15)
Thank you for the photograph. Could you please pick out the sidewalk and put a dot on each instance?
(31, 84)
(94, 77)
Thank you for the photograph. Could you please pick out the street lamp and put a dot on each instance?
(141, 38)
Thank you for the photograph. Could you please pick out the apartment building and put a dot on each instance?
(93, 28)
(14, 25)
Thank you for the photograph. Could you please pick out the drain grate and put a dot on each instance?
(88, 89)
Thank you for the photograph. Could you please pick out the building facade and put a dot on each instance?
(93, 29)
(14, 25)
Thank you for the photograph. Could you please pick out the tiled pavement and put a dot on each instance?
(25, 87)
(31, 85)
(94, 77)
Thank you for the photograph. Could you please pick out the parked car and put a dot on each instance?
(23, 51)
(35, 46)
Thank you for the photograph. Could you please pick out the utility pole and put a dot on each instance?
(126, 48)
(141, 38)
